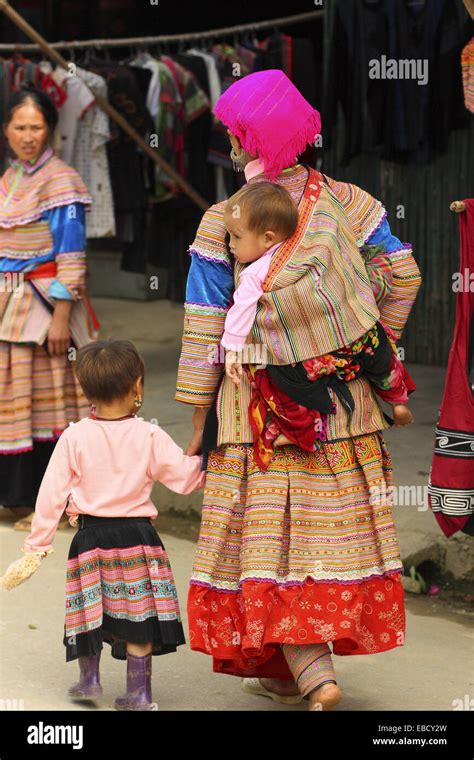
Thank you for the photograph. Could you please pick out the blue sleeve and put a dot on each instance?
(209, 283)
(383, 236)
(59, 291)
(68, 228)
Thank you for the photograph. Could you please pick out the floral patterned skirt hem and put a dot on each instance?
(243, 631)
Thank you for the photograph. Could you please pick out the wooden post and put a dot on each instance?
(105, 106)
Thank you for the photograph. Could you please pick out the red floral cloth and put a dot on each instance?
(272, 412)
(242, 631)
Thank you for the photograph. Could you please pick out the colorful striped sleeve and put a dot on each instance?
(208, 297)
(405, 279)
(369, 221)
(379, 268)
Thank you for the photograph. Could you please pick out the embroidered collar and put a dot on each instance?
(27, 192)
(30, 167)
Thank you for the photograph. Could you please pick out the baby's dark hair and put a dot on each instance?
(266, 206)
(108, 369)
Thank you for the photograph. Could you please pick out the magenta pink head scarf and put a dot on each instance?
(270, 117)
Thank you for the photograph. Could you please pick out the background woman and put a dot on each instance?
(42, 275)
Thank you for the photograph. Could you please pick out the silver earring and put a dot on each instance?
(238, 160)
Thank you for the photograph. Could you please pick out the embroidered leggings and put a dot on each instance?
(310, 665)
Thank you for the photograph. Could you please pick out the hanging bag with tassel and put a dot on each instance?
(451, 482)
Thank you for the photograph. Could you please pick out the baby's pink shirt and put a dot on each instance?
(107, 468)
(241, 315)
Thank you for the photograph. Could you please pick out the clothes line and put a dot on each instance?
(189, 37)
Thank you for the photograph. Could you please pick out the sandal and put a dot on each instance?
(24, 523)
(253, 686)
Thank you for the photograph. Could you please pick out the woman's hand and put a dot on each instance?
(79, 292)
(199, 418)
(233, 367)
(59, 335)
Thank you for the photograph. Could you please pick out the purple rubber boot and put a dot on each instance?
(138, 696)
(88, 687)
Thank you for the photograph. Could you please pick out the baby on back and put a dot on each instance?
(259, 219)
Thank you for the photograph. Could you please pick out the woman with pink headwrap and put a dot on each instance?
(305, 553)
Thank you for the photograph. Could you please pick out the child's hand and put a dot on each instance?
(20, 570)
(233, 367)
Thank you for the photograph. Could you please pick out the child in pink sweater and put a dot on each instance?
(120, 587)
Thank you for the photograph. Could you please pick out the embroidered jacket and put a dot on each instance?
(42, 221)
(209, 293)
(317, 295)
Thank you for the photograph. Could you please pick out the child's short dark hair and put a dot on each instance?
(266, 206)
(107, 369)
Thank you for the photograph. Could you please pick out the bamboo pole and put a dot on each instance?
(469, 5)
(106, 106)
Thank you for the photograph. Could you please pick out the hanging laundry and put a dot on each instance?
(424, 109)
(198, 121)
(79, 100)
(232, 63)
(91, 162)
(393, 66)
(358, 35)
(215, 91)
(214, 83)
(170, 131)
(126, 162)
(46, 82)
(146, 61)
(125, 166)
(174, 218)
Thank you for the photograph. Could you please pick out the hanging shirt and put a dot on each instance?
(407, 109)
(358, 34)
(125, 160)
(215, 89)
(79, 100)
(146, 61)
(91, 161)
